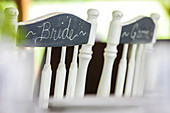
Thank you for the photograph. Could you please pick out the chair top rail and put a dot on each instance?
(39, 18)
(132, 20)
(54, 30)
(138, 30)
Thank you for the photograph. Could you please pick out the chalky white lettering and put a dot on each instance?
(136, 33)
(52, 33)
(30, 32)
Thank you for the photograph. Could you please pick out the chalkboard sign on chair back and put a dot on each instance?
(138, 34)
(61, 30)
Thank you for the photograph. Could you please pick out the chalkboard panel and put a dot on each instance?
(137, 32)
(58, 30)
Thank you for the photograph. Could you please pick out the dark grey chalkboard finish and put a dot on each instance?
(140, 31)
(58, 30)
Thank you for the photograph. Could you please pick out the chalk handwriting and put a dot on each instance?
(47, 32)
(83, 33)
(136, 33)
(30, 32)
(125, 34)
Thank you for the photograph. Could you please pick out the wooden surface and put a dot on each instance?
(85, 54)
(138, 31)
(94, 70)
(147, 104)
(51, 31)
(110, 54)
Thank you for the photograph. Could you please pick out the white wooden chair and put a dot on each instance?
(77, 76)
(45, 24)
(145, 33)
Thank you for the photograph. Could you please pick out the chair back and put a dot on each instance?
(135, 35)
(60, 30)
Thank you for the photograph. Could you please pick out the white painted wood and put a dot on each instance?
(110, 54)
(86, 54)
(45, 81)
(9, 26)
(137, 69)
(90, 104)
(155, 17)
(60, 76)
(150, 76)
(121, 72)
(27, 55)
(31, 71)
(11, 15)
(130, 71)
(72, 75)
(142, 73)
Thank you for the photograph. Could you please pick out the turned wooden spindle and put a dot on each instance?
(86, 54)
(10, 21)
(110, 54)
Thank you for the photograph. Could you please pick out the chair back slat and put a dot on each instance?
(121, 72)
(45, 81)
(142, 73)
(137, 69)
(71, 84)
(60, 76)
(48, 59)
(130, 71)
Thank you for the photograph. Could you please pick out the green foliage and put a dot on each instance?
(1, 19)
(7, 28)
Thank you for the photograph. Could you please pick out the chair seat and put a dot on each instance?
(112, 104)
